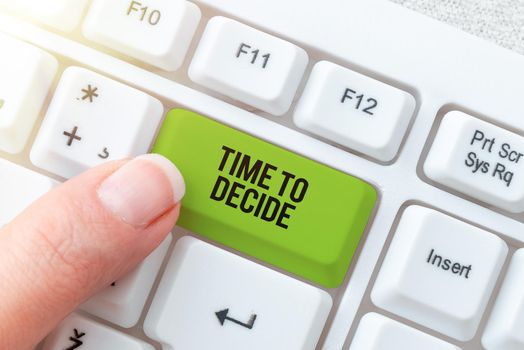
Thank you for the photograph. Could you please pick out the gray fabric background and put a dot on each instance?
(499, 21)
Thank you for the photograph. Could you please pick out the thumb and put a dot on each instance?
(79, 238)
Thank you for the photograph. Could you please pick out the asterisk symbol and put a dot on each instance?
(89, 93)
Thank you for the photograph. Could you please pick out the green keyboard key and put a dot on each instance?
(264, 201)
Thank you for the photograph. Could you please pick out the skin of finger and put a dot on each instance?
(63, 249)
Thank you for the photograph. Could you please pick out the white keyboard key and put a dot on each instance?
(248, 65)
(77, 332)
(26, 74)
(439, 272)
(376, 332)
(355, 111)
(123, 301)
(19, 187)
(64, 15)
(479, 159)
(506, 324)
(93, 119)
(212, 299)
(157, 32)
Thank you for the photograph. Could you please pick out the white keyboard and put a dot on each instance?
(419, 129)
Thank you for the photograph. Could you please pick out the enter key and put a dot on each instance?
(264, 201)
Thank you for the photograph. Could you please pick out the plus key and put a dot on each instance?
(87, 124)
(72, 136)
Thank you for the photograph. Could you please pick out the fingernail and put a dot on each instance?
(143, 190)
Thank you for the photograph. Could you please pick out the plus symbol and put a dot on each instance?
(72, 136)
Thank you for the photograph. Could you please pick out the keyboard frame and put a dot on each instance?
(441, 66)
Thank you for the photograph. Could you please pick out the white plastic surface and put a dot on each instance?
(436, 63)
(91, 121)
(439, 64)
(439, 272)
(19, 187)
(77, 332)
(506, 324)
(248, 65)
(123, 301)
(60, 14)
(26, 74)
(354, 110)
(155, 31)
(377, 332)
(479, 159)
(213, 299)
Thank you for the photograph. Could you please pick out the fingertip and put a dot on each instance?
(170, 171)
(142, 190)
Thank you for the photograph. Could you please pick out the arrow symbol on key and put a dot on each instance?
(76, 340)
(222, 318)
